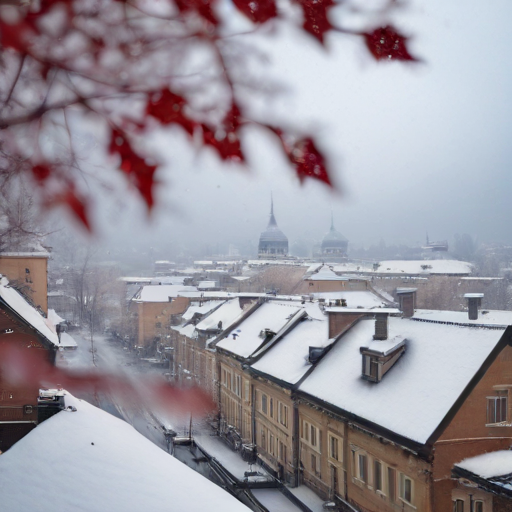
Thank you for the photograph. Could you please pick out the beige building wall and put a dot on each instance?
(31, 274)
(154, 319)
(335, 286)
(273, 415)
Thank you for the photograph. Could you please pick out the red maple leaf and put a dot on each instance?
(202, 7)
(258, 11)
(225, 138)
(387, 43)
(168, 108)
(315, 17)
(132, 164)
(70, 198)
(41, 172)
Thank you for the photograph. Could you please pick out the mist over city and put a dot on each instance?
(255, 255)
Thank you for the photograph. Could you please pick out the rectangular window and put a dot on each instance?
(247, 391)
(238, 389)
(314, 464)
(313, 438)
(363, 468)
(391, 485)
(264, 406)
(496, 409)
(271, 444)
(283, 414)
(377, 475)
(282, 452)
(458, 506)
(334, 448)
(271, 407)
(479, 506)
(405, 488)
(305, 430)
(225, 378)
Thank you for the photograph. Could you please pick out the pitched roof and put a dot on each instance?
(227, 314)
(418, 392)
(161, 293)
(91, 461)
(27, 312)
(246, 338)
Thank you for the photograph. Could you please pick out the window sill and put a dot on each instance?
(500, 424)
(410, 505)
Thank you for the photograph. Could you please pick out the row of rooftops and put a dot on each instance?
(406, 383)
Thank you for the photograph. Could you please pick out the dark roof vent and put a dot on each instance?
(315, 353)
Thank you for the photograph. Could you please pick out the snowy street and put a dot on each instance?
(109, 356)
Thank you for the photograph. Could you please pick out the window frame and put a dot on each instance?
(495, 413)
(403, 490)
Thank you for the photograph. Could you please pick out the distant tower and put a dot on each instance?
(273, 242)
(334, 244)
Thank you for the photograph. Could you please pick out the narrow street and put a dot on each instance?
(109, 356)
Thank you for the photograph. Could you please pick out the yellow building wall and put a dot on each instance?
(31, 273)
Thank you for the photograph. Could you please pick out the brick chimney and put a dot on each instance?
(407, 301)
(474, 302)
(381, 326)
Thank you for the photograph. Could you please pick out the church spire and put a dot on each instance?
(272, 220)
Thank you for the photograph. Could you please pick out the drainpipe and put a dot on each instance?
(295, 445)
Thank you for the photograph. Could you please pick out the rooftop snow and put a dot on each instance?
(66, 340)
(408, 267)
(416, 394)
(489, 465)
(16, 302)
(226, 314)
(201, 309)
(326, 274)
(91, 461)
(341, 309)
(485, 317)
(385, 347)
(245, 339)
(54, 317)
(161, 293)
(354, 299)
(288, 358)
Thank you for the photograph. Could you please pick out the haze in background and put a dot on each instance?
(412, 147)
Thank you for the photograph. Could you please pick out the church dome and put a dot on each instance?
(273, 242)
(334, 242)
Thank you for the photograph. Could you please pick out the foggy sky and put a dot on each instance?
(412, 147)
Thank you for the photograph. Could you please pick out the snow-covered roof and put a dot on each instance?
(416, 394)
(339, 309)
(415, 267)
(201, 309)
(354, 299)
(187, 330)
(169, 279)
(141, 280)
(288, 360)
(26, 254)
(161, 293)
(326, 274)
(485, 317)
(18, 304)
(385, 347)
(54, 318)
(206, 284)
(91, 461)
(245, 339)
(489, 465)
(67, 341)
(227, 314)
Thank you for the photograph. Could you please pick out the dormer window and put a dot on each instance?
(380, 356)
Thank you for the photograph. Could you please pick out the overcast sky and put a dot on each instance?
(412, 147)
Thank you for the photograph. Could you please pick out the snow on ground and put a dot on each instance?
(419, 390)
(91, 461)
(485, 317)
(17, 303)
(489, 465)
